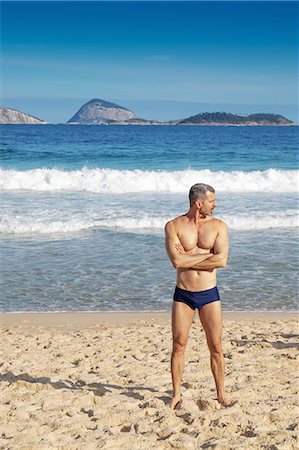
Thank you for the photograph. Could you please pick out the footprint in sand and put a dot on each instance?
(203, 405)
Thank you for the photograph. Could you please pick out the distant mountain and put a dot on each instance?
(12, 116)
(222, 118)
(100, 112)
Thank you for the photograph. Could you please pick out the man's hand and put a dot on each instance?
(180, 248)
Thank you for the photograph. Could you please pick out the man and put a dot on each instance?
(197, 244)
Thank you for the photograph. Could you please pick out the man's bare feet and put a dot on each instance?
(174, 402)
(225, 401)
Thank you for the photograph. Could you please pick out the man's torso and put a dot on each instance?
(196, 239)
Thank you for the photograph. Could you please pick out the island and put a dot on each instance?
(101, 112)
(228, 119)
(15, 117)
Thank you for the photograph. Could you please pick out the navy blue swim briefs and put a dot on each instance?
(196, 299)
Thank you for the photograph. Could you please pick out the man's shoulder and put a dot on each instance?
(219, 223)
(173, 223)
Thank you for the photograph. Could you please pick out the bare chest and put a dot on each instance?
(202, 237)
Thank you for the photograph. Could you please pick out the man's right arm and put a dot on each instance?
(180, 260)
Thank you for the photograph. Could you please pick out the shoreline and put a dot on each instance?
(82, 318)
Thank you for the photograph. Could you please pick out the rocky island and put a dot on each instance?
(13, 116)
(101, 112)
(228, 119)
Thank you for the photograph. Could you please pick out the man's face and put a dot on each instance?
(208, 204)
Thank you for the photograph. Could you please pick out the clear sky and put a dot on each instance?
(165, 60)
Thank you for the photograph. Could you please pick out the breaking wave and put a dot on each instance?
(144, 223)
(126, 181)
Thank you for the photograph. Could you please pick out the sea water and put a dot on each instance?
(83, 212)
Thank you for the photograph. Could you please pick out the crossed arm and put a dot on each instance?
(207, 261)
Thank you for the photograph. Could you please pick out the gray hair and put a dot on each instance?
(199, 192)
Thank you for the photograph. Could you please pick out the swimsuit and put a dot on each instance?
(196, 299)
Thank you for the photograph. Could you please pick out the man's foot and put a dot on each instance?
(225, 401)
(174, 402)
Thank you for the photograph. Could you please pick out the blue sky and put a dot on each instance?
(164, 60)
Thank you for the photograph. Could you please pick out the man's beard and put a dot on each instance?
(204, 214)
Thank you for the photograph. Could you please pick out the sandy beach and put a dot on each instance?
(102, 380)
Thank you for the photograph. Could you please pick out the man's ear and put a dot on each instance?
(198, 204)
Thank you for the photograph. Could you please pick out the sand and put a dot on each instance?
(102, 381)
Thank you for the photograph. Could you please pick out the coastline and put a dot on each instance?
(82, 318)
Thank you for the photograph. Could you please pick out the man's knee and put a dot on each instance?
(215, 346)
(179, 344)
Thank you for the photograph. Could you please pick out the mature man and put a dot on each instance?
(197, 244)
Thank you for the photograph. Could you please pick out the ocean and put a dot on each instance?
(84, 207)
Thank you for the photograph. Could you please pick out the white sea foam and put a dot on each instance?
(125, 181)
(25, 225)
(145, 223)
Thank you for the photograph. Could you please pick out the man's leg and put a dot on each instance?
(182, 318)
(211, 319)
